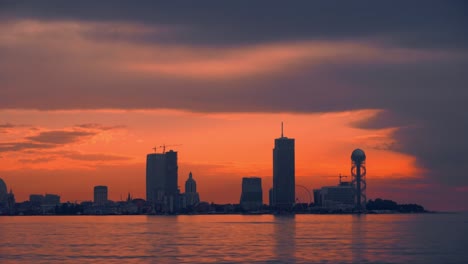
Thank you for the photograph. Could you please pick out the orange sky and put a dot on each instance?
(218, 148)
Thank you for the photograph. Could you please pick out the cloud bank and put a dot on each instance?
(408, 59)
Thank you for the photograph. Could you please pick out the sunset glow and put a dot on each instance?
(84, 99)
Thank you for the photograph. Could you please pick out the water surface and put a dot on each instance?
(420, 238)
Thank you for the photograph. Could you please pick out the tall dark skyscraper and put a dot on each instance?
(284, 182)
(100, 195)
(161, 180)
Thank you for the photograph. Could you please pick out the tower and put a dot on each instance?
(358, 172)
(100, 195)
(284, 182)
(161, 180)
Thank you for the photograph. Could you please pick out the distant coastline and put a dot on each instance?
(141, 207)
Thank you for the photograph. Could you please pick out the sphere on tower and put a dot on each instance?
(358, 156)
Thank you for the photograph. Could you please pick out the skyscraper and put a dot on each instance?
(252, 196)
(283, 173)
(161, 180)
(3, 191)
(100, 195)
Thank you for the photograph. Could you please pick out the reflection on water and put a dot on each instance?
(284, 233)
(432, 238)
(358, 240)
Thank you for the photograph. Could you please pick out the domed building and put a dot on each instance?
(191, 195)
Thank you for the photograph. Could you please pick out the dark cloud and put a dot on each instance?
(55, 138)
(19, 146)
(96, 126)
(60, 137)
(94, 156)
(6, 125)
(431, 24)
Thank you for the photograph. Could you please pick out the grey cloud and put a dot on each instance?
(60, 137)
(45, 140)
(19, 146)
(94, 156)
(6, 125)
(430, 24)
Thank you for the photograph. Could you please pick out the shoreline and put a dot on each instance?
(247, 214)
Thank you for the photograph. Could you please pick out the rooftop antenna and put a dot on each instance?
(281, 128)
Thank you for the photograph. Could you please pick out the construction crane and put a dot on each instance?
(164, 147)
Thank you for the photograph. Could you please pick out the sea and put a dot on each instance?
(377, 238)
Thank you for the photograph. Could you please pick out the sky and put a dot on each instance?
(88, 88)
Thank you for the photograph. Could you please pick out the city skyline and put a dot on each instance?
(303, 180)
(87, 89)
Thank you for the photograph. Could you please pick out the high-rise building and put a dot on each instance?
(51, 199)
(3, 191)
(100, 195)
(7, 200)
(191, 195)
(283, 173)
(161, 180)
(252, 196)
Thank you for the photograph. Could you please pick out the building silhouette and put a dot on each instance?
(51, 199)
(3, 192)
(161, 181)
(100, 195)
(335, 197)
(7, 200)
(252, 196)
(283, 193)
(358, 172)
(191, 195)
(44, 203)
(36, 199)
